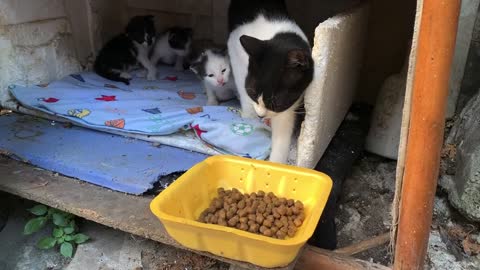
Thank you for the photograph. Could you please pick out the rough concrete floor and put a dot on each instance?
(18, 251)
(108, 249)
(364, 212)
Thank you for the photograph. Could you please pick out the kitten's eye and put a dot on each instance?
(210, 75)
(223, 71)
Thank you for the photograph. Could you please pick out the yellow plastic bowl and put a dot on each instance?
(179, 206)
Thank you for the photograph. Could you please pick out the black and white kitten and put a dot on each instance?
(122, 53)
(272, 66)
(172, 47)
(213, 68)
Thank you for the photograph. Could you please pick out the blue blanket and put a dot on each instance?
(174, 103)
(114, 162)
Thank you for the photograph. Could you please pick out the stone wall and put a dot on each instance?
(36, 43)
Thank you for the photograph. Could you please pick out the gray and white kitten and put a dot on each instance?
(172, 47)
(213, 68)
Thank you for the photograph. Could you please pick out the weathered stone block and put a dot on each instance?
(15, 12)
(34, 53)
(337, 53)
(464, 187)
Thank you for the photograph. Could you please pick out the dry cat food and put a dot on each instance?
(259, 213)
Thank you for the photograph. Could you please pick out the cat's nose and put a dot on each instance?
(221, 82)
(261, 112)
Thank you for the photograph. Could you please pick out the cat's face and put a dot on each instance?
(180, 39)
(278, 73)
(213, 67)
(141, 29)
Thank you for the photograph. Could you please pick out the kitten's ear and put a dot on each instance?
(252, 46)
(298, 58)
(197, 64)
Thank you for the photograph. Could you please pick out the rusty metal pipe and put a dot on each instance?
(436, 41)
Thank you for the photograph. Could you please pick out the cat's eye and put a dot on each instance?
(223, 71)
(210, 75)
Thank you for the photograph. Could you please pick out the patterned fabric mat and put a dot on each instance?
(173, 104)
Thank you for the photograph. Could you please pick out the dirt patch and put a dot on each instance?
(364, 208)
(161, 258)
(364, 212)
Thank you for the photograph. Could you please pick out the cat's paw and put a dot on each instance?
(125, 75)
(212, 102)
(142, 73)
(152, 76)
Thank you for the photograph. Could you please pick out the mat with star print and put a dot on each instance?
(115, 162)
(172, 104)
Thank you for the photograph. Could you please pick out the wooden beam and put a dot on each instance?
(364, 245)
(314, 259)
(436, 41)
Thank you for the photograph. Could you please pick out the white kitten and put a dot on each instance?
(173, 47)
(213, 67)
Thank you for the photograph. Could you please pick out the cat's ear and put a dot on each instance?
(298, 58)
(254, 47)
(198, 64)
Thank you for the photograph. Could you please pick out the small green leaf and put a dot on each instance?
(68, 238)
(59, 220)
(80, 238)
(68, 230)
(72, 223)
(60, 240)
(46, 243)
(38, 210)
(66, 249)
(34, 225)
(57, 232)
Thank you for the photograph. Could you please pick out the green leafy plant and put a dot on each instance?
(64, 233)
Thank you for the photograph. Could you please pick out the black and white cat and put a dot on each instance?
(213, 68)
(122, 53)
(173, 47)
(272, 66)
